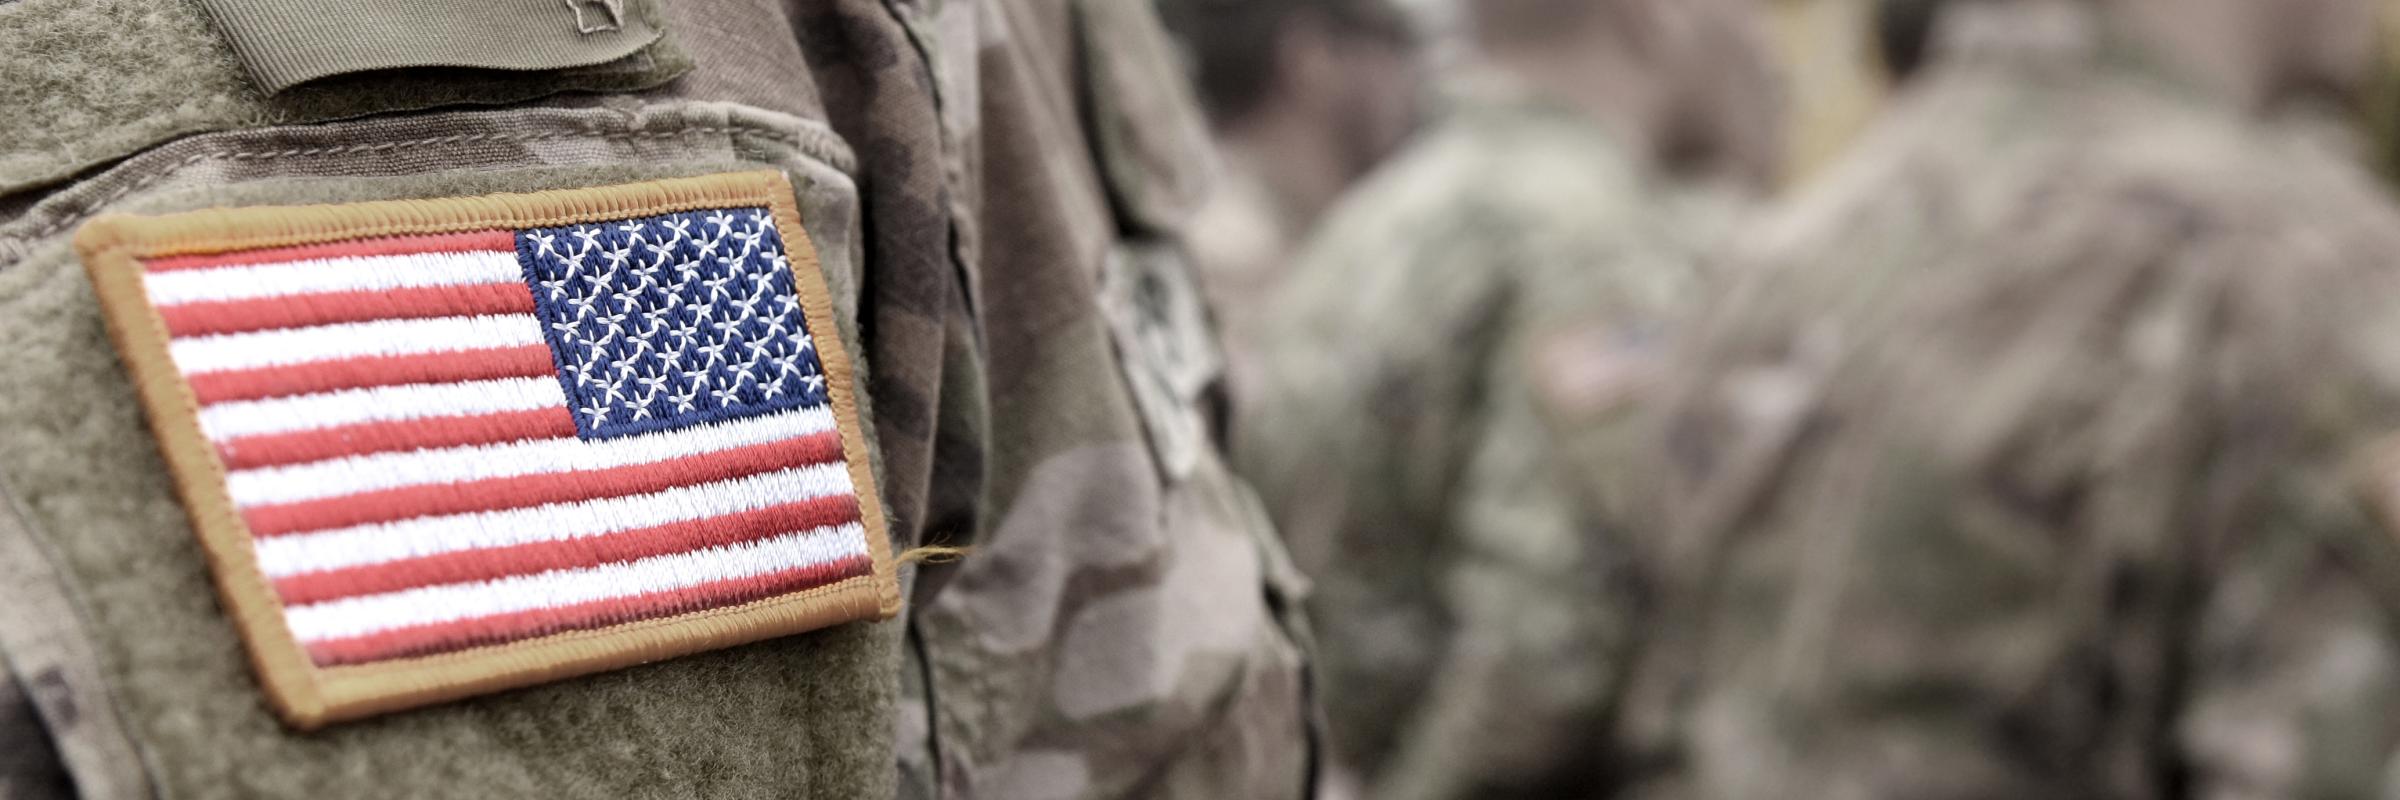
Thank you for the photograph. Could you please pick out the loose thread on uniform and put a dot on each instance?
(934, 554)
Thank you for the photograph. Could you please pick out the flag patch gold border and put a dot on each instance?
(307, 695)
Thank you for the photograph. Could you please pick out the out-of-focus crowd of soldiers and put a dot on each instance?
(1822, 398)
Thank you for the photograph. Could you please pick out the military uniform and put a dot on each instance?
(996, 194)
(1397, 447)
(2020, 457)
(1244, 244)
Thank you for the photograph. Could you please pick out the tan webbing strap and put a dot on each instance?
(288, 42)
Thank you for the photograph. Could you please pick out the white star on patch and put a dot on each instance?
(596, 412)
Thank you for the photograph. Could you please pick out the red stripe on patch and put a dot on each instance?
(535, 557)
(533, 490)
(331, 308)
(472, 241)
(277, 449)
(361, 372)
(471, 632)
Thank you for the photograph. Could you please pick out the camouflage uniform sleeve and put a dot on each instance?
(2297, 679)
(1125, 625)
(2296, 649)
(1520, 699)
(1525, 680)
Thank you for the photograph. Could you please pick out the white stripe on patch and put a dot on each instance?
(341, 548)
(358, 616)
(383, 337)
(223, 421)
(380, 471)
(344, 274)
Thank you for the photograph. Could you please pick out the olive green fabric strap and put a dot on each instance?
(288, 42)
(101, 80)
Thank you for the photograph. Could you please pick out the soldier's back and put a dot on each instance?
(1389, 443)
(2019, 461)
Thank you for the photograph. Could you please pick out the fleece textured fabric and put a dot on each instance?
(809, 715)
(120, 75)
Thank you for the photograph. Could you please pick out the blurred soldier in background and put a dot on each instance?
(1835, 80)
(1465, 651)
(1304, 96)
(2024, 456)
(998, 193)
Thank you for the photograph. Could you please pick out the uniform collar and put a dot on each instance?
(2061, 41)
(1483, 94)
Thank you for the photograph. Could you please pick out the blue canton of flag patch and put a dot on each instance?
(659, 322)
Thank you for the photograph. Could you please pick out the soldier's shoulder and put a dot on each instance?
(2188, 236)
(1493, 163)
(2278, 217)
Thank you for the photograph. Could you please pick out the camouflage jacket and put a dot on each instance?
(2019, 460)
(1394, 442)
(998, 194)
(1242, 241)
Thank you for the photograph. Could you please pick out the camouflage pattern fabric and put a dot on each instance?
(1398, 450)
(1241, 248)
(1000, 193)
(2019, 460)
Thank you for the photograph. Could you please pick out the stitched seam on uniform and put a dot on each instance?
(17, 245)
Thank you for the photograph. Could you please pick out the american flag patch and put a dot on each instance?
(437, 448)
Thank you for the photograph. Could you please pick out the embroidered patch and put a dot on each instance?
(440, 448)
